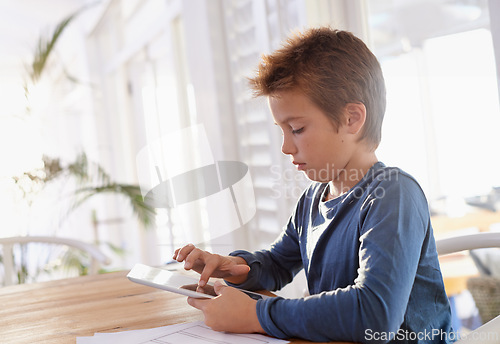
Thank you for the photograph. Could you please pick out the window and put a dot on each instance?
(443, 110)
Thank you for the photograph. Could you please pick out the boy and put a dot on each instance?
(361, 230)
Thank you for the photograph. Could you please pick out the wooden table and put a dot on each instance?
(457, 268)
(480, 219)
(59, 311)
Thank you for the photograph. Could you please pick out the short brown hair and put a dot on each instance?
(332, 68)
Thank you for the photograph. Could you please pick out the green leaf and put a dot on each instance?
(143, 211)
(45, 47)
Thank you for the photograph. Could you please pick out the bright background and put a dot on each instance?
(147, 68)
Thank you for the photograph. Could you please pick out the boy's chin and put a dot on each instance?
(314, 176)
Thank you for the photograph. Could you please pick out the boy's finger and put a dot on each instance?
(192, 257)
(184, 252)
(207, 273)
(176, 252)
(218, 287)
(189, 256)
(197, 303)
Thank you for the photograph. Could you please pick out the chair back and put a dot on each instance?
(97, 256)
(489, 332)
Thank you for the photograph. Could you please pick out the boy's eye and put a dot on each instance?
(297, 131)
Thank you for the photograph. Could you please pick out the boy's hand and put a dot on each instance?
(233, 269)
(231, 311)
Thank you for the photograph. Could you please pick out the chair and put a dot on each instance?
(485, 291)
(490, 331)
(468, 242)
(97, 256)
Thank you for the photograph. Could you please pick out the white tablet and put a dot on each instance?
(175, 282)
(167, 280)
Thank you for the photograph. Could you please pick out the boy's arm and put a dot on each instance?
(274, 268)
(391, 243)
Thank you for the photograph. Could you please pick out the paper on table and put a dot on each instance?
(125, 337)
(191, 333)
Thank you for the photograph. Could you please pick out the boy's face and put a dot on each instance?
(314, 144)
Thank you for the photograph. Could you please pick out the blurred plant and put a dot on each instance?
(90, 175)
(44, 50)
(91, 179)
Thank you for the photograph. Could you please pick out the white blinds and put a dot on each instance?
(248, 35)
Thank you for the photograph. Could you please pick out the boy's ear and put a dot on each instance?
(355, 117)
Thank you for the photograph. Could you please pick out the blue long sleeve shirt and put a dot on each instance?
(371, 265)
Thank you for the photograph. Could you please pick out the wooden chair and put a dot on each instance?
(97, 256)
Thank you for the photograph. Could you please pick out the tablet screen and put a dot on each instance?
(176, 282)
(167, 280)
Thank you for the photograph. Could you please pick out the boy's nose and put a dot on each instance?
(288, 147)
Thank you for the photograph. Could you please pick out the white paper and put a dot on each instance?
(190, 333)
(488, 333)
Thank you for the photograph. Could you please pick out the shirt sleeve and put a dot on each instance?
(274, 268)
(393, 225)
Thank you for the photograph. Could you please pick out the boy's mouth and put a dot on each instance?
(300, 165)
